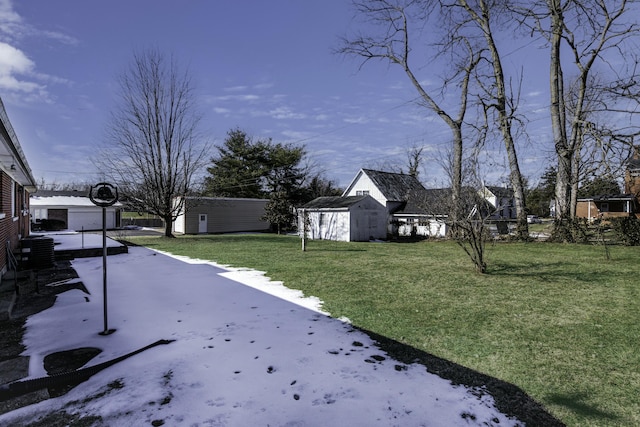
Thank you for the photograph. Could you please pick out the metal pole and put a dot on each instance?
(106, 330)
(104, 265)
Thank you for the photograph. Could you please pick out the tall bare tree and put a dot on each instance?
(478, 18)
(153, 151)
(391, 38)
(587, 35)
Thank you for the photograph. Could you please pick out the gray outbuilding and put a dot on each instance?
(201, 215)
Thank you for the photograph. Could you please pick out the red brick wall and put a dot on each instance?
(11, 230)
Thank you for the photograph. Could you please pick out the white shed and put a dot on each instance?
(70, 210)
(200, 215)
(346, 219)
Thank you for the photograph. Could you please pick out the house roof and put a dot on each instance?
(12, 158)
(397, 187)
(434, 201)
(333, 202)
(500, 192)
(608, 197)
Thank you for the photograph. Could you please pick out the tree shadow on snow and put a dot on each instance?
(509, 399)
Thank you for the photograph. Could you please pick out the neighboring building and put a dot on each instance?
(603, 207)
(201, 215)
(632, 177)
(346, 219)
(16, 183)
(70, 210)
(502, 202)
(615, 205)
(412, 210)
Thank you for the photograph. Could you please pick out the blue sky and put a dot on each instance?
(265, 67)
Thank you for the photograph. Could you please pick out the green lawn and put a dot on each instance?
(560, 321)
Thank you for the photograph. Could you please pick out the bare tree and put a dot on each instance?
(414, 160)
(595, 33)
(392, 41)
(477, 18)
(152, 150)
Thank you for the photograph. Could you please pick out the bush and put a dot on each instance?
(627, 230)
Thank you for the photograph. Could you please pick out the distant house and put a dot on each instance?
(411, 209)
(606, 206)
(70, 210)
(615, 205)
(346, 219)
(632, 177)
(502, 202)
(16, 183)
(201, 215)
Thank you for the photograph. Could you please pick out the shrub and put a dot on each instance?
(627, 230)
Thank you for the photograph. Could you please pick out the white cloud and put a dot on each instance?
(7, 14)
(356, 120)
(285, 113)
(219, 110)
(296, 135)
(237, 98)
(235, 88)
(13, 63)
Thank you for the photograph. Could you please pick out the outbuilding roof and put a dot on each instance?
(62, 198)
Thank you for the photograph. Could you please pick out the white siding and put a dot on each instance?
(364, 184)
(90, 219)
(329, 225)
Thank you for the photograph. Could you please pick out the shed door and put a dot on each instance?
(202, 223)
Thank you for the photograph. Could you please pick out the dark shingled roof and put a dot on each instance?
(333, 202)
(396, 187)
(501, 192)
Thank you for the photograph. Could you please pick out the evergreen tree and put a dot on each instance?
(238, 169)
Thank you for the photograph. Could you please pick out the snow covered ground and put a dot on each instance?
(247, 352)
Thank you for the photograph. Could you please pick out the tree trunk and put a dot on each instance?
(558, 128)
(168, 226)
(504, 117)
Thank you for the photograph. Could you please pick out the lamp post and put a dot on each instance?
(102, 194)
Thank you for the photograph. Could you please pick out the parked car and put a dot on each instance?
(533, 219)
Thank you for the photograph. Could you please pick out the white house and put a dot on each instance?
(501, 200)
(220, 215)
(347, 219)
(70, 210)
(412, 210)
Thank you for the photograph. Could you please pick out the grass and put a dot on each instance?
(560, 321)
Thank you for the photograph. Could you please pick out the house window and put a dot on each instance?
(362, 192)
(604, 207)
(321, 220)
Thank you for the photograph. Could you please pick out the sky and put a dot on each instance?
(246, 351)
(268, 68)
